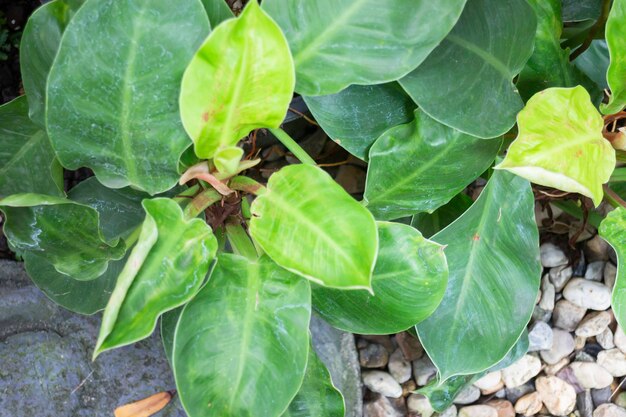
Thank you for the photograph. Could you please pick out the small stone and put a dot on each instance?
(595, 271)
(467, 395)
(399, 367)
(522, 371)
(591, 375)
(503, 407)
(567, 375)
(539, 337)
(514, 394)
(614, 361)
(562, 346)
(382, 407)
(578, 268)
(351, 178)
(420, 405)
(605, 339)
(596, 249)
(558, 396)
(490, 383)
(373, 356)
(609, 410)
(382, 383)
(601, 396)
(423, 370)
(410, 346)
(620, 400)
(554, 369)
(593, 324)
(579, 342)
(552, 255)
(478, 411)
(582, 356)
(449, 412)
(539, 314)
(584, 404)
(559, 276)
(547, 294)
(408, 387)
(588, 294)
(567, 315)
(619, 338)
(529, 404)
(610, 273)
(382, 340)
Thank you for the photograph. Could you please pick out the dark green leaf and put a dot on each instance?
(431, 223)
(169, 321)
(217, 10)
(594, 62)
(579, 10)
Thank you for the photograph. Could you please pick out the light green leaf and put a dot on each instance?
(549, 65)
(615, 32)
(409, 281)
(336, 43)
(64, 233)
(560, 143)
(493, 258)
(241, 344)
(309, 225)
(165, 270)
(613, 230)
(430, 223)
(27, 161)
(358, 115)
(466, 83)
(241, 79)
(117, 98)
(38, 47)
(594, 62)
(217, 10)
(227, 160)
(317, 397)
(420, 166)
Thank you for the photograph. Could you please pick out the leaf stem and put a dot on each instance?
(246, 184)
(293, 146)
(612, 198)
(201, 202)
(239, 239)
(132, 238)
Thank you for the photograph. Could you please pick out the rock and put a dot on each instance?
(579, 342)
(373, 356)
(351, 178)
(467, 395)
(588, 294)
(539, 314)
(552, 255)
(558, 396)
(559, 276)
(562, 346)
(620, 400)
(539, 337)
(381, 407)
(423, 370)
(554, 369)
(399, 367)
(529, 404)
(595, 271)
(584, 404)
(609, 410)
(605, 339)
(478, 411)
(503, 407)
(593, 324)
(578, 268)
(567, 375)
(582, 356)
(490, 383)
(514, 394)
(614, 361)
(547, 294)
(522, 371)
(383, 340)
(601, 396)
(610, 273)
(420, 405)
(619, 338)
(449, 412)
(382, 383)
(596, 249)
(567, 315)
(591, 375)
(408, 387)
(410, 346)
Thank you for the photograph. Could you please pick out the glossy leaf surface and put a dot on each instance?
(579, 10)
(336, 43)
(64, 233)
(409, 281)
(613, 230)
(317, 396)
(615, 33)
(123, 111)
(27, 161)
(420, 166)
(358, 115)
(217, 10)
(164, 270)
(594, 62)
(260, 314)
(466, 83)
(493, 259)
(560, 143)
(234, 84)
(169, 321)
(431, 223)
(309, 225)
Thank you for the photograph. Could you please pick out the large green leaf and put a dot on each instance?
(615, 33)
(420, 166)
(217, 10)
(431, 223)
(493, 258)
(165, 270)
(579, 10)
(241, 344)
(336, 43)
(317, 396)
(309, 225)
(613, 230)
(241, 79)
(38, 47)
(169, 321)
(64, 233)
(466, 83)
(594, 62)
(560, 143)
(112, 104)
(409, 281)
(27, 161)
(358, 115)
(549, 66)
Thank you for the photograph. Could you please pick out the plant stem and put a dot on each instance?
(293, 147)
(612, 198)
(574, 210)
(201, 202)
(133, 237)
(246, 184)
(239, 240)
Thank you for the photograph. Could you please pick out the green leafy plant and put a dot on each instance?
(155, 100)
